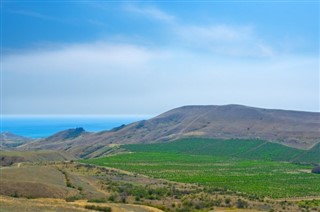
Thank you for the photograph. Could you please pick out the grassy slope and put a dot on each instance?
(34, 181)
(247, 149)
(10, 157)
(46, 181)
(311, 155)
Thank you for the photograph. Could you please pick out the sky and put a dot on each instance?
(146, 57)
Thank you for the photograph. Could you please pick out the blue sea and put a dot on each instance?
(39, 127)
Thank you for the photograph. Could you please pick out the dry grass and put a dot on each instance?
(47, 204)
(34, 182)
(10, 157)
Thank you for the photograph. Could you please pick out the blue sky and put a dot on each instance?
(103, 57)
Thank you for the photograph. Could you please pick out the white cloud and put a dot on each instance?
(218, 38)
(208, 64)
(130, 79)
(94, 57)
(225, 40)
(150, 12)
(214, 33)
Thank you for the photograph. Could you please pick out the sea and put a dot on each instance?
(44, 126)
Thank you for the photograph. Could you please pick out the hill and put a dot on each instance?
(34, 182)
(7, 158)
(292, 128)
(66, 134)
(10, 140)
(59, 139)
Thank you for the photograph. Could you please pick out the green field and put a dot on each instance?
(223, 165)
(238, 148)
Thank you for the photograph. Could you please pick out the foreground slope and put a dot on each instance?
(292, 128)
(34, 182)
(9, 204)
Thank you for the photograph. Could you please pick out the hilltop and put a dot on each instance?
(291, 128)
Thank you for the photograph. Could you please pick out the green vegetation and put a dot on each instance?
(310, 204)
(239, 148)
(220, 164)
(313, 155)
(316, 170)
(98, 208)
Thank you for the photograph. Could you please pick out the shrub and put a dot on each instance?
(98, 208)
(316, 170)
(15, 195)
(227, 201)
(241, 203)
(72, 198)
(97, 200)
(112, 198)
(137, 198)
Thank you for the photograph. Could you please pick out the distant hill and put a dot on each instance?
(66, 134)
(292, 128)
(10, 140)
(59, 139)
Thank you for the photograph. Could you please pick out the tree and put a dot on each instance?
(316, 170)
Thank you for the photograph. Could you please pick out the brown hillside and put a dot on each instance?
(293, 128)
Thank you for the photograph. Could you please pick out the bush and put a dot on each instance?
(15, 195)
(98, 208)
(112, 198)
(72, 198)
(97, 200)
(241, 203)
(227, 201)
(137, 198)
(316, 170)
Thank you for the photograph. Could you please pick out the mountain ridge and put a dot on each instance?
(292, 128)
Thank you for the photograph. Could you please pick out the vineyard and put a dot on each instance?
(228, 168)
(238, 148)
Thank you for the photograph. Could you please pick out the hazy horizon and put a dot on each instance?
(142, 116)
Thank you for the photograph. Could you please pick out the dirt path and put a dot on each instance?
(194, 120)
(119, 207)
